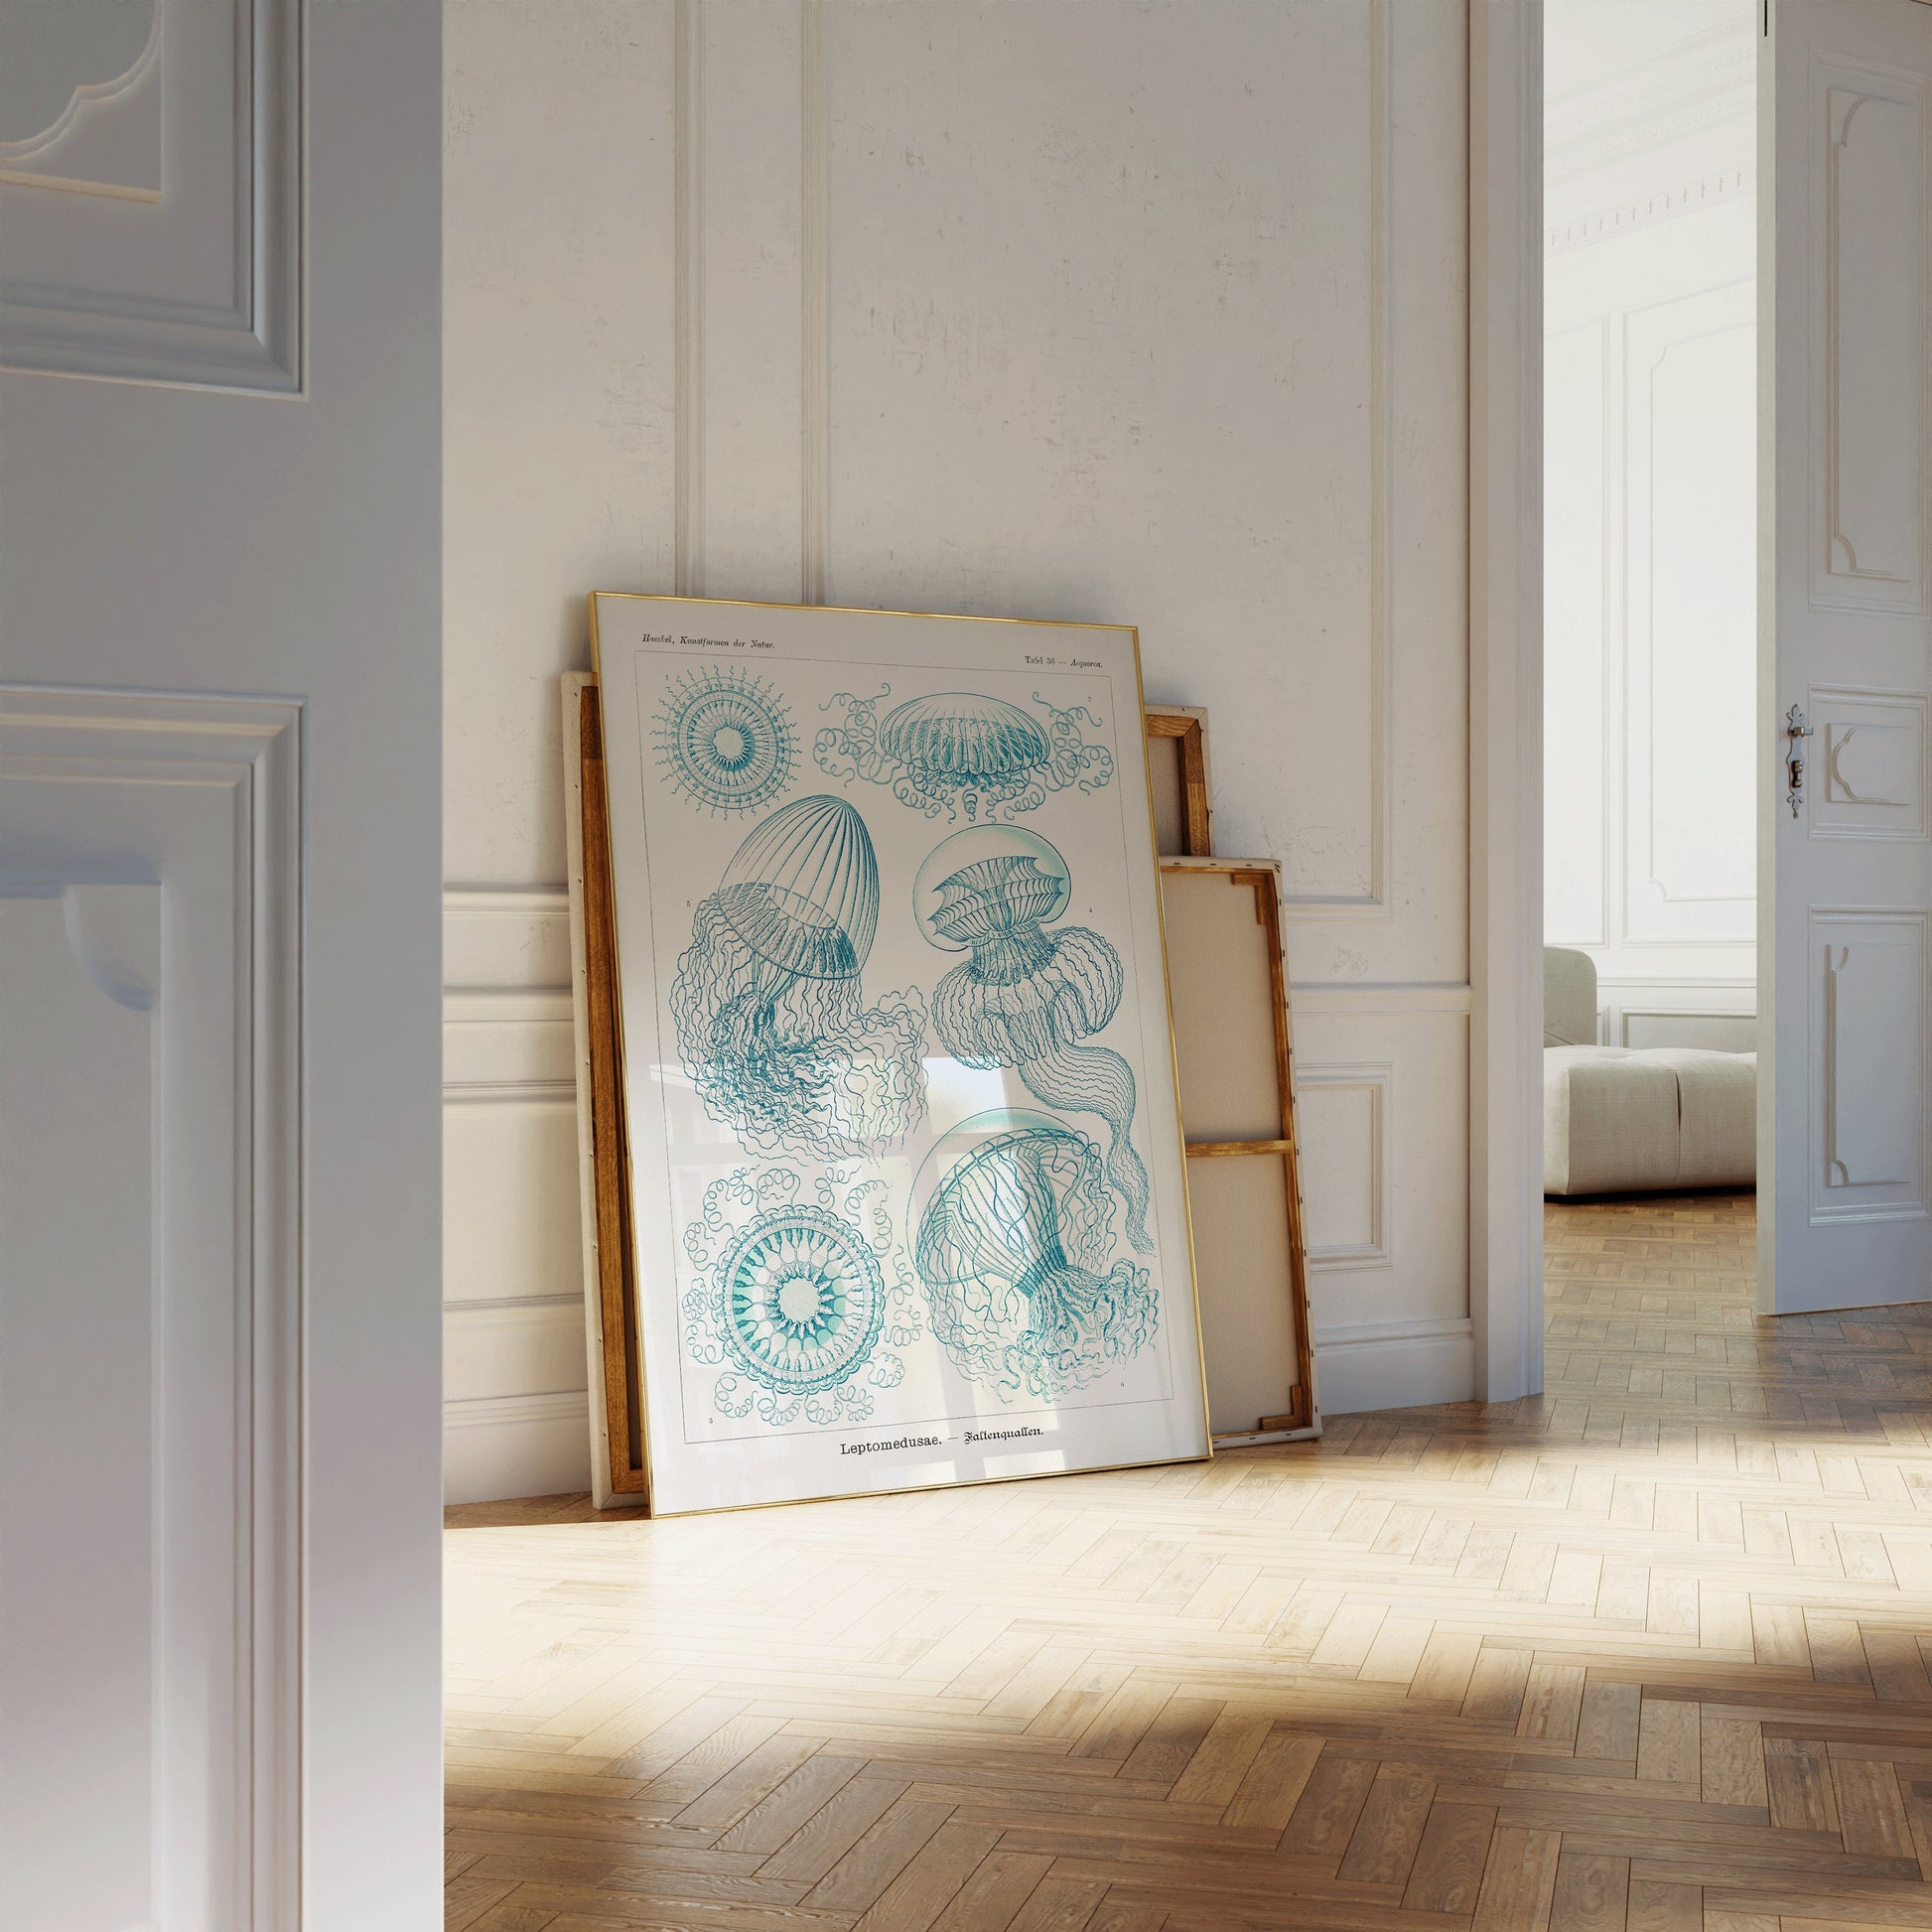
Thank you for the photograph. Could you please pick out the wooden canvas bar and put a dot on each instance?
(1234, 1044)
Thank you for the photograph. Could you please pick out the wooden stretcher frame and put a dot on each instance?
(1301, 1416)
(1189, 725)
(618, 1471)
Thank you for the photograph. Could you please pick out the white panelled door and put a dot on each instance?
(219, 965)
(1846, 902)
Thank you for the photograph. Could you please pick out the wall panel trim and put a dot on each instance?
(815, 357)
(481, 1411)
(687, 296)
(1376, 902)
(1371, 997)
(253, 342)
(1376, 1078)
(249, 749)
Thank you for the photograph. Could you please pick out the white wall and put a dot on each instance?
(1144, 313)
(1650, 512)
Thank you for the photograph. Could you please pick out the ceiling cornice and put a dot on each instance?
(1677, 91)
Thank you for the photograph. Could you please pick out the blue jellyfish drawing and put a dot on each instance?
(795, 1298)
(958, 750)
(800, 1302)
(771, 1023)
(1025, 998)
(725, 740)
(1014, 1246)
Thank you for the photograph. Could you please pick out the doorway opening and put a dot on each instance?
(1650, 614)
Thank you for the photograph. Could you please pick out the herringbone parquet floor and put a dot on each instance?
(1647, 1652)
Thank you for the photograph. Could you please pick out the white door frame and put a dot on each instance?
(1507, 695)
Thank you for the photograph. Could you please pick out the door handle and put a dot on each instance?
(1796, 731)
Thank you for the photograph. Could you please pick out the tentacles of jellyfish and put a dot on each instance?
(849, 749)
(1096, 1080)
(1024, 1001)
(792, 1064)
(1014, 1250)
(1073, 761)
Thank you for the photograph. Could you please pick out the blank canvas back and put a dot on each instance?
(1232, 1048)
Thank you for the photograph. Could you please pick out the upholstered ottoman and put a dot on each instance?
(1619, 1121)
(1623, 1120)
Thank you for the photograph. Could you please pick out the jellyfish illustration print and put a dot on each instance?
(772, 1022)
(1013, 1243)
(1025, 998)
(793, 1298)
(959, 751)
(725, 740)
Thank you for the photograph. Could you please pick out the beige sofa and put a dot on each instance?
(1619, 1120)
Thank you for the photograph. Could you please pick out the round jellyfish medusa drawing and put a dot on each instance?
(725, 740)
(772, 1022)
(1013, 1242)
(1025, 998)
(957, 752)
(795, 1298)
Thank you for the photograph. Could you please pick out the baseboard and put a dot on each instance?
(1395, 1364)
(500, 1446)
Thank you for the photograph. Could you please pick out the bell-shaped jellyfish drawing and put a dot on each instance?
(961, 751)
(794, 1299)
(725, 740)
(1025, 998)
(771, 1023)
(1012, 1240)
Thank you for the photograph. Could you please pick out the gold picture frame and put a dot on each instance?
(619, 1378)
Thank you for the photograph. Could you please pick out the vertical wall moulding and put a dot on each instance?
(1583, 685)
(1381, 434)
(815, 349)
(1687, 375)
(1376, 902)
(687, 115)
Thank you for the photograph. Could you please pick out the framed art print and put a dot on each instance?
(906, 1181)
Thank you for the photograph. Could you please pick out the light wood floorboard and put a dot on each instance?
(1647, 1653)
